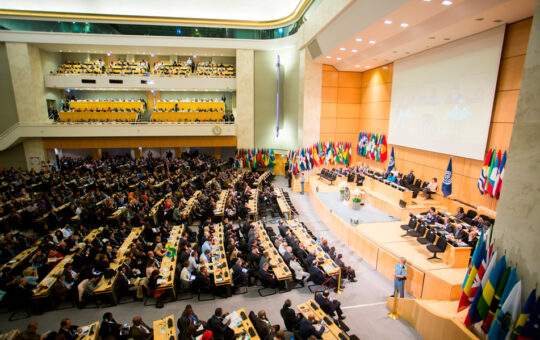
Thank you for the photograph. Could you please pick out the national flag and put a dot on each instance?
(378, 149)
(498, 184)
(473, 316)
(360, 135)
(531, 330)
(491, 164)
(392, 161)
(528, 308)
(384, 149)
(493, 175)
(507, 316)
(272, 160)
(496, 300)
(488, 292)
(447, 181)
(478, 256)
(484, 173)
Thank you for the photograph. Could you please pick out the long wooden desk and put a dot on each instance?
(90, 332)
(282, 203)
(99, 116)
(19, 259)
(327, 264)
(167, 269)
(165, 329)
(218, 266)
(279, 267)
(106, 286)
(186, 116)
(120, 105)
(392, 194)
(193, 106)
(43, 289)
(221, 203)
(186, 212)
(261, 178)
(242, 325)
(332, 331)
(252, 204)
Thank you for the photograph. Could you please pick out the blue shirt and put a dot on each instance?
(400, 269)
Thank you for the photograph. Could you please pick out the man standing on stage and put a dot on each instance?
(302, 180)
(400, 275)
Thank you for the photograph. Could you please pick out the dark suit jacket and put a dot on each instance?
(306, 329)
(326, 305)
(290, 318)
(317, 274)
(137, 334)
(215, 324)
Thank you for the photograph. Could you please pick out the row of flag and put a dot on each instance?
(319, 154)
(372, 146)
(491, 177)
(255, 158)
(492, 292)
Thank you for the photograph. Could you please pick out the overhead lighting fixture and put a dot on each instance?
(328, 57)
(338, 58)
(446, 38)
(152, 55)
(356, 65)
(342, 48)
(372, 41)
(354, 51)
(427, 0)
(109, 54)
(388, 22)
(446, 3)
(404, 24)
(479, 19)
(358, 39)
(367, 66)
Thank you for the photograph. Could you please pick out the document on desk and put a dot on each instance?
(236, 320)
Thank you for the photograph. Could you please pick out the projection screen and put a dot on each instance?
(442, 98)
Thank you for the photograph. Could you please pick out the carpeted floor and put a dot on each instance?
(363, 302)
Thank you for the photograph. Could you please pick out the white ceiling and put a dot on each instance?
(248, 10)
(430, 24)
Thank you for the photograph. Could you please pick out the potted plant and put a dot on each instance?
(342, 186)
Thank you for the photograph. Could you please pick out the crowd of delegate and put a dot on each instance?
(181, 68)
(63, 228)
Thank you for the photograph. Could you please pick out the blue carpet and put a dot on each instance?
(366, 214)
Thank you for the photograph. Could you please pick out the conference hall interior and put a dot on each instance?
(286, 169)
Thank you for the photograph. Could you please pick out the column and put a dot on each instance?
(34, 153)
(245, 105)
(177, 152)
(27, 79)
(97, 153)
(516, 228)
(217, 152)
(138, 153)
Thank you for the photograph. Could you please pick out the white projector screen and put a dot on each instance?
(442, 98)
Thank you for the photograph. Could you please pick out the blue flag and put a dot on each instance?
(392, 161)
(447, 181)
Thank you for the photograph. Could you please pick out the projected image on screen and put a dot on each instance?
(442, 98)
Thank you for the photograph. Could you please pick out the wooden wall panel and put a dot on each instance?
(350, 79)
(329, 94)
(345, 110)
(510, 73)
(328, 110)
(351, 95)
(505, 106)
(328, 125)
(517, 38)
(330, 78)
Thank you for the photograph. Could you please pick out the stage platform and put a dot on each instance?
(380, 243)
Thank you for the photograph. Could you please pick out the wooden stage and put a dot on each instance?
(381, 244)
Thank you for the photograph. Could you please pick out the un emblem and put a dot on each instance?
(447, 178)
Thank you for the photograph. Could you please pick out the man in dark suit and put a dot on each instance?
(219, 329)
(290, 318)
(263, 326)
(68, 330)
(329, 305)
(306, 328)
(140, 330)
(319, 276)
(409, 179)
(267, 278)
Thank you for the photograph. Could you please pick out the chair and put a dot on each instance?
(202, 292)
(148, 296)
(429, 239)
(411, 225)
(418, 183)
(418, 232)
(266, 290)
(439, 247)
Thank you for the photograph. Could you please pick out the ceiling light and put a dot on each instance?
(404, 24)
(447, 3)
(358, 39)
(388, 22)
(109, 54)
(356, 65)
(394, 51)
(354, 51)
(342, 48)
(328, 57)
(367, 66)
(427, 0)
(431, 38)
(372, 41)
(338, 58)
(152, 54)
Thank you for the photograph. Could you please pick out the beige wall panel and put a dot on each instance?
(350, 79)
(328, 125)
(378, 110)
(499, 135)
(330, 78)
(348, 110)
(516, 38)
(328, 137)
(349, 95)
(328, 110)
(505, 106)
(329, 94)
(377, 93)
(377, 76)
(510, 73)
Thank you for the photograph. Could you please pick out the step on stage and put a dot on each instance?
(378, 240)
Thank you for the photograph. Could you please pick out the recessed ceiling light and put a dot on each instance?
(354, 51)
(427, 0)
(356, 65)
(342, 48)
(367, 66)
(404, 24)
(388, 22)
(152, 54)
(338, 58)
(394, 51)
(446, 3)
(358, 39)
(328, 57)
(372, 41)
(446, 38)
